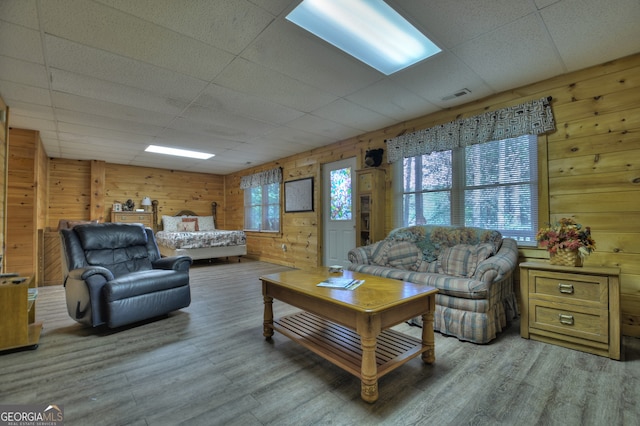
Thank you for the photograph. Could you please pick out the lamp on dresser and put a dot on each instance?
(146, 203)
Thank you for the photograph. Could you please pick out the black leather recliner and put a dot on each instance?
(114, 275)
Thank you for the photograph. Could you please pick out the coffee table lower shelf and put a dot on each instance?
(341, 345)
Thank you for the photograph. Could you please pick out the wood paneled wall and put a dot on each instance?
(591, 172)
(4, 138)
(82, 189)
(26, 200)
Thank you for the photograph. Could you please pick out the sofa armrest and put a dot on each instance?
(83, 289)
(362, 254)
(176, 263)
(500, 265)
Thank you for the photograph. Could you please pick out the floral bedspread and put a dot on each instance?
(200, 239)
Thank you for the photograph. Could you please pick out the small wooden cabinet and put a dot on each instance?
(18, 327)
(574, 307)
(145, 218)
(370, 186)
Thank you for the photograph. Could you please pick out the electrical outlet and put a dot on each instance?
(284, 247)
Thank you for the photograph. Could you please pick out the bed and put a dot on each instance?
(189, 234)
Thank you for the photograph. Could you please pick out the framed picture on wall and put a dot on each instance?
(298, 195)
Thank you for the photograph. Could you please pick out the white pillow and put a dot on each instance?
(205, 223)
(170, 223)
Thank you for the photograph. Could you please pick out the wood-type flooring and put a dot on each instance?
(209, 364)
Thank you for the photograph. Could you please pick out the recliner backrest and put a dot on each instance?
(120, 248)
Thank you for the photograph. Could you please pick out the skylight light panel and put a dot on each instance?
(369, 30)
(178, 152)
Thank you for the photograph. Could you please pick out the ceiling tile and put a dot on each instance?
(499, 59)
(247, 105)
(251, 78)
(14, 92)
(229, 25)
(583, 30)
(23, 72)
(21, 12)
(455, 22)
(329, 129)
(441, 76)
(79, 59)
(400, 103)
(353, 116)
(281, 46)
(89, 87)
(20, 43)
(103, 27)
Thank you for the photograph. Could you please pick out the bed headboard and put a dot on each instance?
(154, 205)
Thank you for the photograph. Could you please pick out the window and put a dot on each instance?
(262, 208)
(490, 185)
(340, 203)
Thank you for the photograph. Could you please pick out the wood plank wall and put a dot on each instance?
(593, 170)
(83, 190)
(4, 137)
(26, 200)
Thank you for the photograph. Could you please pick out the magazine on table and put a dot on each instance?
(341, 283)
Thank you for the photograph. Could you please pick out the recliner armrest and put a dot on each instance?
(176, 263)
(86, 273)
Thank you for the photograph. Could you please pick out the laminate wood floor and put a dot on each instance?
(209, 364)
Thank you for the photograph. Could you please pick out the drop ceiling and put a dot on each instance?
(102, 79)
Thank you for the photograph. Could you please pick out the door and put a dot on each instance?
(338, 210)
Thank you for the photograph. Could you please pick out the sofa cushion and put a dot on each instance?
(396, 254)
(403, 255)
(461, 260)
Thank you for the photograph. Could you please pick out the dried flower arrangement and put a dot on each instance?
(566, 236)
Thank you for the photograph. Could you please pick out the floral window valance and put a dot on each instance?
(530, 118)
(263, 178)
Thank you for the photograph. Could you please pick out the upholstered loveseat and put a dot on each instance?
(472, 268)
(114, 275)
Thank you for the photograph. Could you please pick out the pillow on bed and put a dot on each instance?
(193, 220)
(187, 226)
(170, 223)
(205, 223)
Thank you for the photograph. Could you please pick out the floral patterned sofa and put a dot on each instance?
(472, 269)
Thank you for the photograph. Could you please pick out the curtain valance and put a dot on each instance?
(263, 178)
(530, 118)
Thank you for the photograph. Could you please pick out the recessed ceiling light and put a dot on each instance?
(369, 30)
(178, 152)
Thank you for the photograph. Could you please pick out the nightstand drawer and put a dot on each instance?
(145, 218)
(584, 323)
(567, 287)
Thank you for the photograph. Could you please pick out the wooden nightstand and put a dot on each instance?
(145, 218)
(574, 307)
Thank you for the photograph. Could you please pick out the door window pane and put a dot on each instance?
(340, 194)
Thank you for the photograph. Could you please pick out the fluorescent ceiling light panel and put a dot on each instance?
(178, 152)
(369, 30)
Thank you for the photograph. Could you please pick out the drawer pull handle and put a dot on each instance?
(565, 288)
(566, 319)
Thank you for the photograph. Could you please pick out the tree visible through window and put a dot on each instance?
(262, 208)
(491, 185)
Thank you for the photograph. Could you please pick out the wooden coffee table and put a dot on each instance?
(351, 328)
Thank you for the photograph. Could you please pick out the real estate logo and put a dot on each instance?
(31, 415)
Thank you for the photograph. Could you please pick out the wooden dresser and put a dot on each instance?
(574, 307)
(145, 218)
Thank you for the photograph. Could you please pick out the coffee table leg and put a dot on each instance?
(368, 328)
(428, 338)
(369, 371)
(267, 330)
